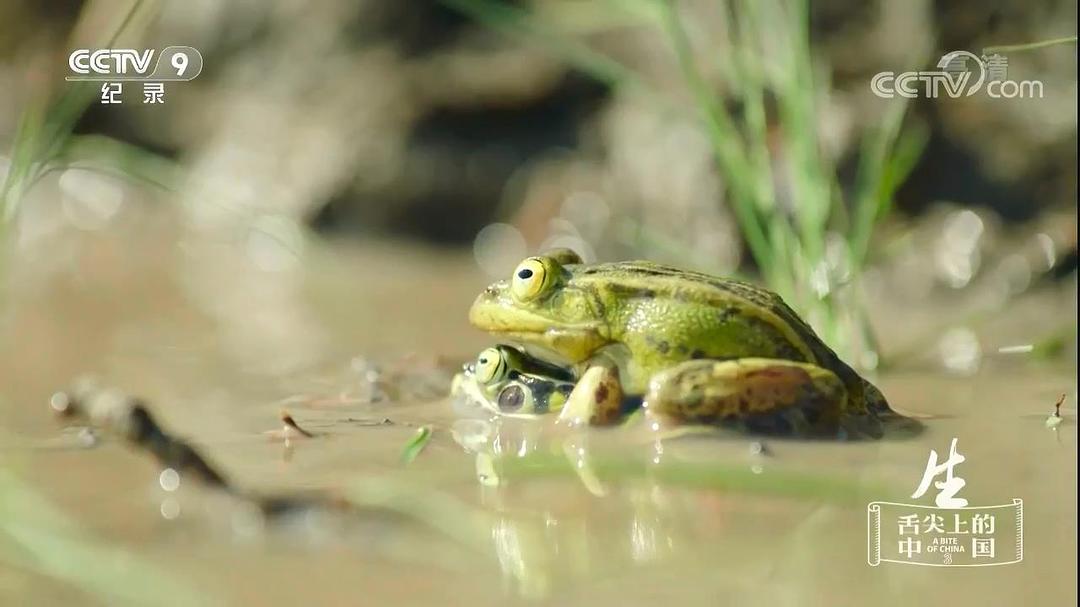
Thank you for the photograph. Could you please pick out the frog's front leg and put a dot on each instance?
(596, 399)
(761, 395)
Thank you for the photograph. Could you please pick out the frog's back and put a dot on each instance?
(726, 298)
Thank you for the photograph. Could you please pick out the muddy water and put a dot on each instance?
(218, 339)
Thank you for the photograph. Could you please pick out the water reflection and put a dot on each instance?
(548, 511)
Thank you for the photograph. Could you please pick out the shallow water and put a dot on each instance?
(218, 346)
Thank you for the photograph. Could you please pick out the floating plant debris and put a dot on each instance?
(1055, 418)
(416, 444)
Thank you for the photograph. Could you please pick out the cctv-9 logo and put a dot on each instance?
(175, 63)
(178, 63)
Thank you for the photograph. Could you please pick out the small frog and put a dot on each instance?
(690, 347)
(506, 381)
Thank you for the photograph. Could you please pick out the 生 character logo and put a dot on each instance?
(946, 498)
(949, 534)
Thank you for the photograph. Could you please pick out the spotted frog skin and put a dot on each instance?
(692, 347)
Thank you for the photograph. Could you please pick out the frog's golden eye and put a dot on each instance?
(532, 277)
(515, 397)
(491, 366)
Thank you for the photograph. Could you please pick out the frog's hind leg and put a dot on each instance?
(760, 395)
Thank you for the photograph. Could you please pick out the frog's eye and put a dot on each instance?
(514, 397)
(532, 277)
(490, 366)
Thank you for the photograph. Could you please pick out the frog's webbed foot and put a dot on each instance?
(760, 395)
(596, 399)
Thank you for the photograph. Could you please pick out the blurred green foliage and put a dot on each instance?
(768, 65)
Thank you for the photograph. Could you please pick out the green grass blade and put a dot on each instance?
(45, 129)
(697, 475)
(881, 171)
(723, 135)
(1030, 46)
(34, 536)
(519, 23)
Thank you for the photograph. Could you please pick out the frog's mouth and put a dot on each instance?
(542, 337)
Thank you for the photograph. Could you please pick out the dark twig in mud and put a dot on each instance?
(114, 413)
(386, 421)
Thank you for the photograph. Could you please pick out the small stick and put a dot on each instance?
(1055, 418)
(290, 430)
(128, 418)
(115, 413)
(289, 422)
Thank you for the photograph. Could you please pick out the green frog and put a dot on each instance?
(687, 347)
(507, 381)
